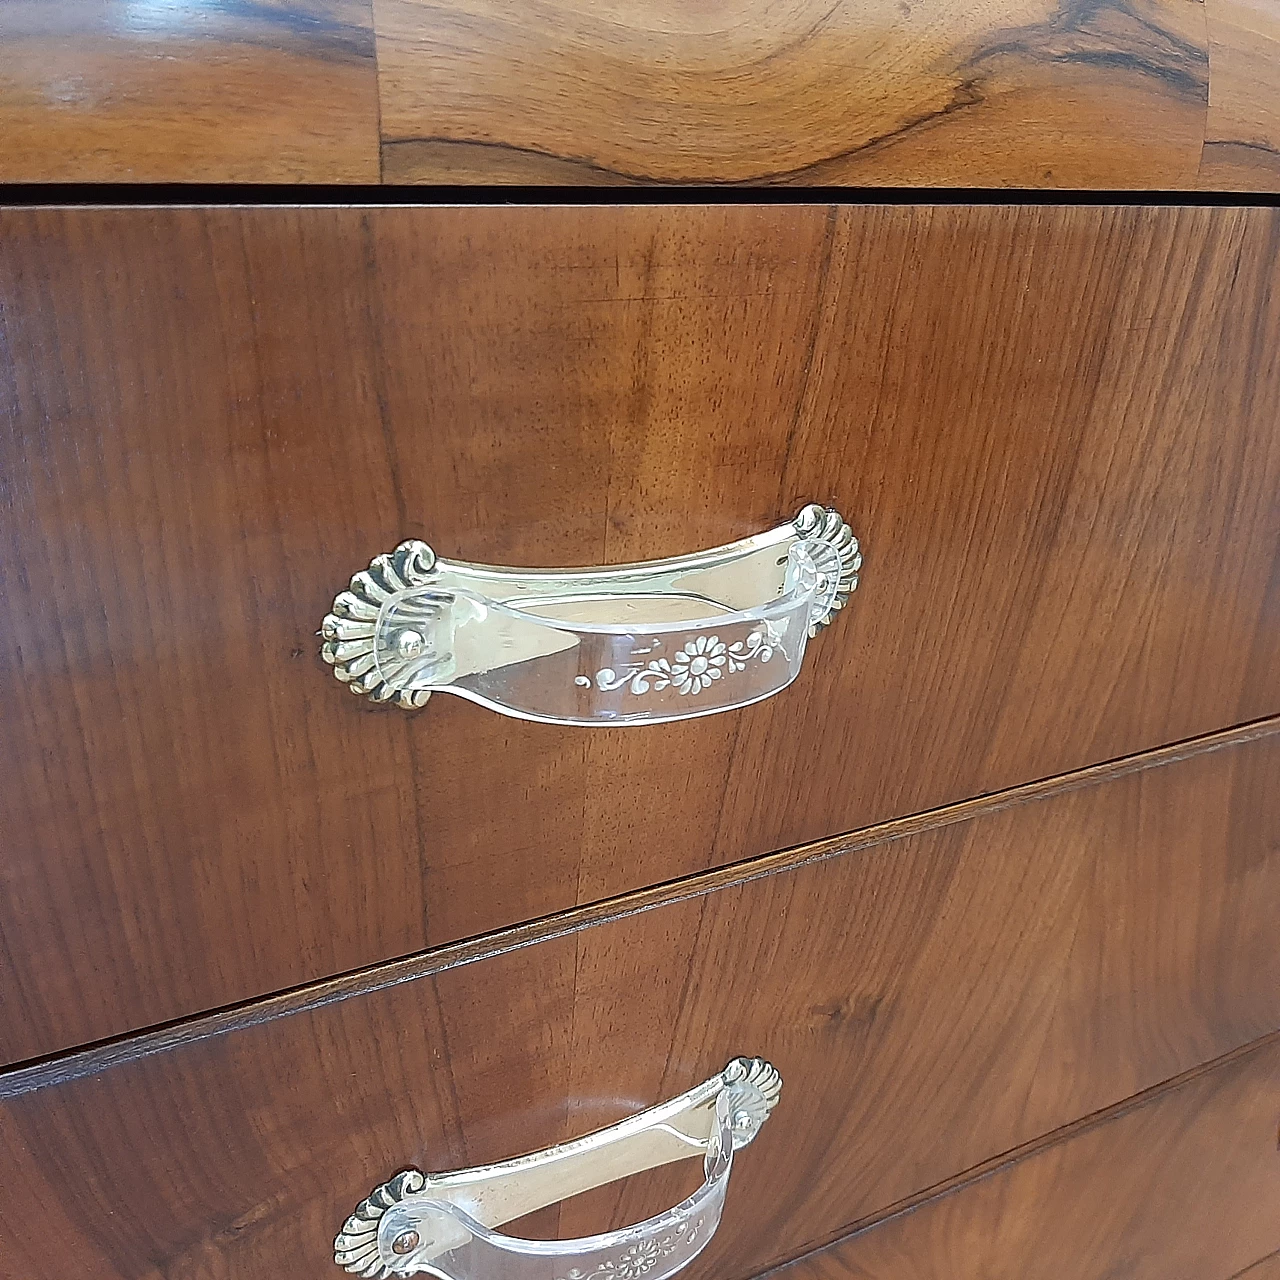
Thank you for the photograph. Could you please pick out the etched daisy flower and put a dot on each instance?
(638, 1260)
(699, 663)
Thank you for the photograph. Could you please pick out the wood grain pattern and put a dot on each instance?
(1119, 94)
(1185, 1185)
(1008, 93)
(1242, 140)
(92, 1059)
(1053, 429)
(153, 91)
(932, 1003)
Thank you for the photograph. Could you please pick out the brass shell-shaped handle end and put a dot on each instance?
(356, 1246)
(349, 630)
(824, 524)
(753, 1087)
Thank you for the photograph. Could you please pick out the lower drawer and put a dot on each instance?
(1186, 1186)
(932, 1000)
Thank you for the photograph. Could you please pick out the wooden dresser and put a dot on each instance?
(989, 874)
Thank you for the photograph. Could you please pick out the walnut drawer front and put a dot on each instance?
(1184, 1184)
(1052, 428)
(933, 1000)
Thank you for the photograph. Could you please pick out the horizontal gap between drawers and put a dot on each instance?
(372, 195)
(1016, 1155)
(59, 1068)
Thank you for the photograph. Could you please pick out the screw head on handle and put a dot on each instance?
(405, 1242)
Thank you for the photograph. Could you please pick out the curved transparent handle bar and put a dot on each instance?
(626, 644)
(443, 1224)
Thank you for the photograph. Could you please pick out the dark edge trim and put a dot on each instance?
(1251, 1269)
(60, 1068)
(34, 194)
(997, 1164)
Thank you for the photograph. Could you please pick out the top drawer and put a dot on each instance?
(1053, 430)
(1004, 94)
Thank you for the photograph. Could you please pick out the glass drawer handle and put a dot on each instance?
(442, 1224)
(626, 644)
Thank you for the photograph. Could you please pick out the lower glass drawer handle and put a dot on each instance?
(443, 1224)
(626, 644)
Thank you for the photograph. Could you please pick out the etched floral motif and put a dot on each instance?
(698, 664)
(639, 1259)
(695, 667)
(754, 646)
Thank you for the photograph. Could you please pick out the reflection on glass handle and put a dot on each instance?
(625, 644)
(443, 1224)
